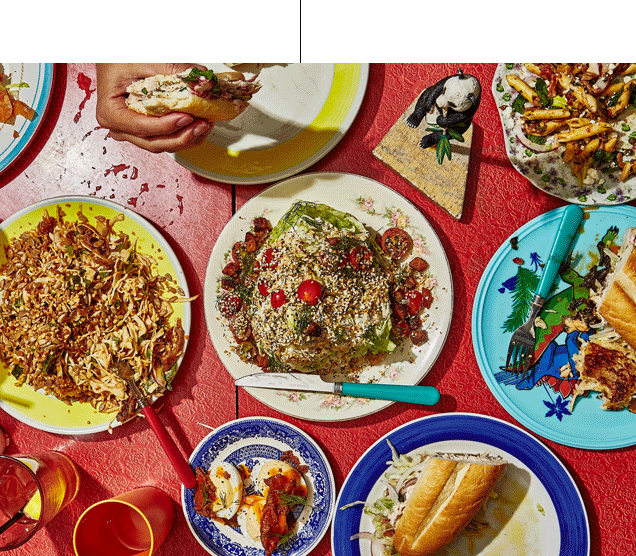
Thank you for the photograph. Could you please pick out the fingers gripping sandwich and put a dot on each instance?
(213, 96)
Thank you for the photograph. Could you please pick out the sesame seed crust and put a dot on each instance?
(353, 302)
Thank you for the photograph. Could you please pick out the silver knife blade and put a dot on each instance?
(288, 381)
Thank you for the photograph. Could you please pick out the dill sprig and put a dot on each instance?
(275, 364)
(303, 319)
(291, 500)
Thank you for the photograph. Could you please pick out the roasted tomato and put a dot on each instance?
(427, 298)
(230, 304)
(278, 299)
(361, 258)
(414, 302)
(396, 243)
(310, 291)
(419, 264)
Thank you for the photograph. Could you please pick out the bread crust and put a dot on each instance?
(619, 311)
(445, 498)
(617, 304)
(171, 96)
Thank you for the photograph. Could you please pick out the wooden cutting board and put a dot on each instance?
(444, 184)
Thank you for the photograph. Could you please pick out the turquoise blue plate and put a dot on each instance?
(16, 137)
(542, 402)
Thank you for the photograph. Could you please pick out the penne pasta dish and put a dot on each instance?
(583, 112)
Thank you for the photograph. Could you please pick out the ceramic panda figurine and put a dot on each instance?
(449, 104)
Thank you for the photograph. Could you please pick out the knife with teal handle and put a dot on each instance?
(422, 395)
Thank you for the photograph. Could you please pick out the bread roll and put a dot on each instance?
(448, 493)
(221, 98)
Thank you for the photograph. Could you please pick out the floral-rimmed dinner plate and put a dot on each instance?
(377, 207)
(301, 112)
(546, 170)
(542, 401)
(539, 509)
(251, 441)
(46, 412)
(16, 137)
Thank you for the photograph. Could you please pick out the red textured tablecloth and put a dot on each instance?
(71, 154)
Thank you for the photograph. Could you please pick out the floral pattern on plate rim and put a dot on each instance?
(394, 217)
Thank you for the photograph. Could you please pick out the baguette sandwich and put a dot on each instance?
(606, 363)
(204, 94)
(617, 301)
(447, 495)
(430, 499)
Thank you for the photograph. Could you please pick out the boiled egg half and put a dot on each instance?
(229, 489)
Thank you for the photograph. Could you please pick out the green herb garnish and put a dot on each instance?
(536, 139)
(518, 104)
(542, 92)
(195, 73)
(291, 500)
(603, 157)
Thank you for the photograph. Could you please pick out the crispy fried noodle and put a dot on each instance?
(74, 299)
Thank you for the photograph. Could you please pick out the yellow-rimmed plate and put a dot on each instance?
(46, 412)
(301, 112)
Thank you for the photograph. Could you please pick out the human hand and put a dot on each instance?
(168, 133)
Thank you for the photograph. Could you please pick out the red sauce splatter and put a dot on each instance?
(144, 188)
(91, 132)
(132, 201)
(134, 173)
(84, 83)
(116, 168)
(180, 199)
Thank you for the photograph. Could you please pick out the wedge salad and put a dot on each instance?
(320, 293)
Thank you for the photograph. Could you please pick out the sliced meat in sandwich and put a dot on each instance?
(607, 366)
(607, 362)
(213, 96)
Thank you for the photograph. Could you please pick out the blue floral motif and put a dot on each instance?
(249, 440)
(558, 408)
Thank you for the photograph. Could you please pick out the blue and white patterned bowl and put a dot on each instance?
(248, 441)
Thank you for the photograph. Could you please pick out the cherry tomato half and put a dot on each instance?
(310, 291)
(396, 243)
(230, 304)
(278, 299)
(268, 262)
(262, 289)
